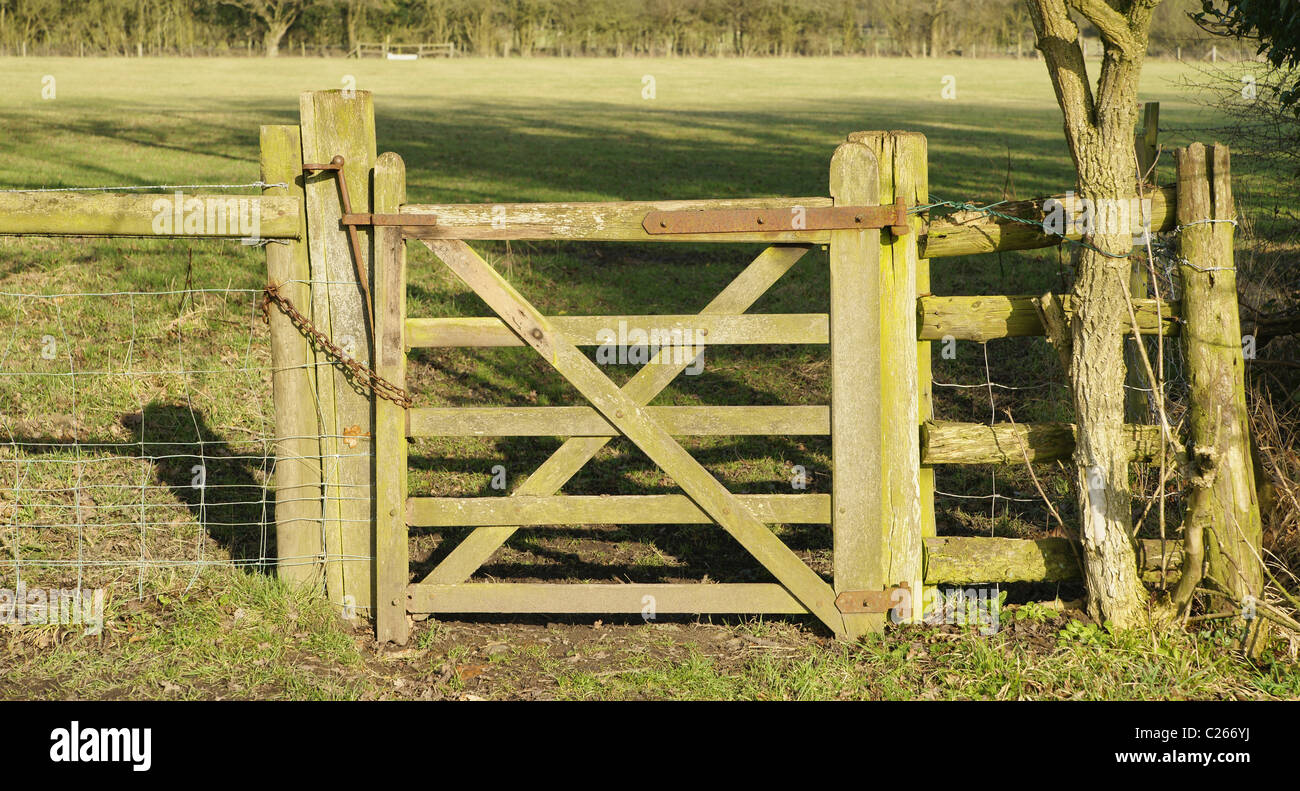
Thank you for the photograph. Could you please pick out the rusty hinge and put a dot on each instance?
(881, 601)
(795, 218)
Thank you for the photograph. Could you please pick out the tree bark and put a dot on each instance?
(1099, 132)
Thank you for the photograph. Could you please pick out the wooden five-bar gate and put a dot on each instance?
(880, 507)
(871, 419)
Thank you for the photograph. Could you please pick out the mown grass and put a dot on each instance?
(97, 489)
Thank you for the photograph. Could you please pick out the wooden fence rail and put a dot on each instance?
(156, 214)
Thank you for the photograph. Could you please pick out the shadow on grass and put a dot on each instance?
(217, 482)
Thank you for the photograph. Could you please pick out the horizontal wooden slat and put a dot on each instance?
(944, 442)
(113, 214)
(581, 421)
(948, 561)
(594, 222)
(947, 235)
(966, 560)
(649, 509)
(983, 318)
(671, 330)
(493, 597)
(967, 233)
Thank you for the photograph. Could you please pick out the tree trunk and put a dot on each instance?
(271, 39)
(1099, 132)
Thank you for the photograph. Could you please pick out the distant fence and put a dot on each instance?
(404, 51)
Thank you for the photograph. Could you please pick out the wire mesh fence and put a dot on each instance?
(135, 443)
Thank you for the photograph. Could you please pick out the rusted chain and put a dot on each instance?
(357, 372)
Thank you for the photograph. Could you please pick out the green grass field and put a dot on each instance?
(100, 463)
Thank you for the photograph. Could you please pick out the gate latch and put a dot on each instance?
(881, 601)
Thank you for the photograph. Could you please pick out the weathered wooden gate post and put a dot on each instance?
(907, 489)
(299, 546)
(877, 398)
(1216, 369)
(856, 453)
(391, 560)
(342, 123)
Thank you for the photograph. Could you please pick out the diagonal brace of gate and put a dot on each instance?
(546, 480)
(628, 416)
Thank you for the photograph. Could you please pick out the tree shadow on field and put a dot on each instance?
(217, 482)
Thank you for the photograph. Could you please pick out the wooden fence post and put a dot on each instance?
(1137, 396)
(914, 178)
(299, 546)
(1216, 370)
(906, 493)
(342, 123)
(391, 560)
(856, 453)
(907, 512)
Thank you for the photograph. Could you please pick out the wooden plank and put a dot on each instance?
(494, 597)
(970, 233)
(855, 386)
(594, 222)
(581, 421)
(333, 124)
(562, 465)
(647, 509)
(392, 567)
(947, 442)
(636, 424)
(679, 330)
(984, 318)
(901, 157)
(964, 560)
(115, 214)
(298, 529)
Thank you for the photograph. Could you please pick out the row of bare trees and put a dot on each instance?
(548, 27)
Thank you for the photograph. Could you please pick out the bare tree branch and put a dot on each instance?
(1058, 39)
(1114, 27)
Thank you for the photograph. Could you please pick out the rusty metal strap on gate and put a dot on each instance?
(794, 218)
(881, 601)
(359, 373)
